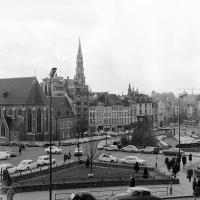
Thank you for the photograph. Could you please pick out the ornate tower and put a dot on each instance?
(129, 89)
(79, 75)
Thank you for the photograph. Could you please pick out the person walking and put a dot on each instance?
(189, 174)
(20, 151)
(132, 182)
(194, 184)
(65, 157)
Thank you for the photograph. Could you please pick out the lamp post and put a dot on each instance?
(179, 124)
(156, 161)
(51, 75)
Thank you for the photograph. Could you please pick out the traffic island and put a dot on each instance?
(104, 175)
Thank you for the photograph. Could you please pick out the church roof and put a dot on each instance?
(17, 91)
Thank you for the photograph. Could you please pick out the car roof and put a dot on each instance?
(26, 160)
(130, 157)
(132, 189)
(43, 156)
(5, 164)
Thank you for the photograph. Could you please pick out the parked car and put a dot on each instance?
(135, 193)
(107, 158)
(112, 148)
(130, 148)
(48, 144)
(78, 151)
(4, 155)
(26, 165)
(154, 150)
(11, 169)
(131, 160)
(45, 160)
(172, 151)
(101, 146)
(33, 144)
(54, 150)
(11, 152)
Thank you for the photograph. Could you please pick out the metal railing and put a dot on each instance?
(45, 181)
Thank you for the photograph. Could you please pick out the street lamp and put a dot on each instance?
(51, 75)
(179, 124)
(156, 161)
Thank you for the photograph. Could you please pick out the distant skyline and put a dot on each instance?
(154, 45)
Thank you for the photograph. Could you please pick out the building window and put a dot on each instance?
(3, 131)
(29, 120)
(38, 120)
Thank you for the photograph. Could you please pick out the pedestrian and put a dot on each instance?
(136, 167)
(189, 174)
(145, 173)
(87, 163)
(184, 161)
(190, 157)
(65, 157)
(132, 182)
(69, 155)
(20, 150)
(194, 184)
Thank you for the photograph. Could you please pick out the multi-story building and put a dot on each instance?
(58, 86)
(64, 118)
(166, 107)
(143, 104)
(24, 110)
(109, 112)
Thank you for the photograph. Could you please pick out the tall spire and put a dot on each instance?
(79, 75)
(129, 89)
(79, 49)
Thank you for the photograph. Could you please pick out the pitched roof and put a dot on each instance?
(62, 108)
(18, 91)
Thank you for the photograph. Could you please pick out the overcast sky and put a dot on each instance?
(154, 45)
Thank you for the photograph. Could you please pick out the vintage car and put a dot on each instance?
(135, 193)
(172, 151)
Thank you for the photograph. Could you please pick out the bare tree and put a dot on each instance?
(92, 153)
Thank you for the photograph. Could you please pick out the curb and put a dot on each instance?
(179, 197)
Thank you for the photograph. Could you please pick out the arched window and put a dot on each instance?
(29, 120)
(47, 120)
(38, 120)
(3, 131)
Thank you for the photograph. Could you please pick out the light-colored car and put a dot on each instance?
(11, 152)
(135, 193)
(108, 158)
(11, 169)
(150, 150)
(78, 151)
(172, 151)
(112, 148)
(45, 160)
(54, 150)
(130, 148)
(26, 165)
(101, 146)
(4, 155)
(131, 160)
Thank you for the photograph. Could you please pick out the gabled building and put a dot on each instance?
(108, 112)
(24, 109)
(64, 118)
